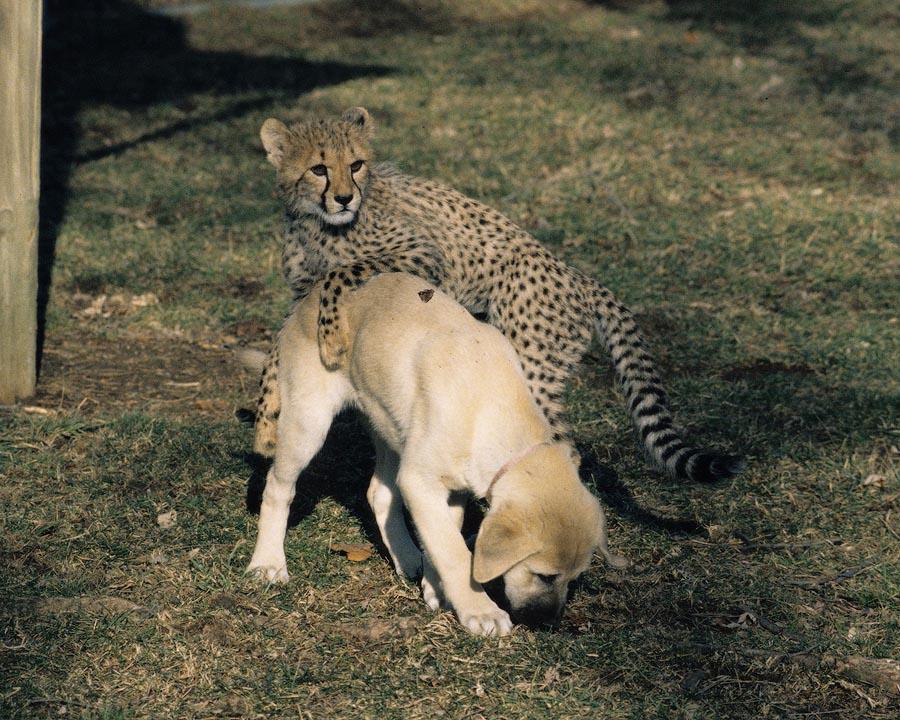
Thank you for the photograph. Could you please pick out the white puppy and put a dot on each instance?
(450, 413)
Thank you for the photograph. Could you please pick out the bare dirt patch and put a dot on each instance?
(97, 375)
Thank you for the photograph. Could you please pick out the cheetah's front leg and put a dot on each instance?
(333, 335)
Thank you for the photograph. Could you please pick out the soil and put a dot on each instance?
(95, 375)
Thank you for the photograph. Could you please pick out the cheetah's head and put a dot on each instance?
(323, 166)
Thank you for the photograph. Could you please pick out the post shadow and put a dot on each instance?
(112, 52)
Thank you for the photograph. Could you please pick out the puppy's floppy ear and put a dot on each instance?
(274, 135)
(358, 116)
(503, 541)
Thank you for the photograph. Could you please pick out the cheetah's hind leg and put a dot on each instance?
(267, 408)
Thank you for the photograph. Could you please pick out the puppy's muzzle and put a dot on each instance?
(538, 613)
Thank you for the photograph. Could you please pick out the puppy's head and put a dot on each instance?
(539, 535)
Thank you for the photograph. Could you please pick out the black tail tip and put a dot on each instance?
(711, 467)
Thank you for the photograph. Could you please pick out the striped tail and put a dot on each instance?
(647, 401)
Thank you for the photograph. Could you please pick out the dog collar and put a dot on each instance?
(512, 462)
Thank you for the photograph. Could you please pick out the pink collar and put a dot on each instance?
(512, 462)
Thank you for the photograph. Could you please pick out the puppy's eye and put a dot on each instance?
(319, 170)
(356, 165)
(547, 579)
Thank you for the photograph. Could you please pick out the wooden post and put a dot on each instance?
(20, 119)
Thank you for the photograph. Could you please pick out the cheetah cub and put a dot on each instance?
(348, 218)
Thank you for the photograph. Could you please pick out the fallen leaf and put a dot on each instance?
(355, 552)
(426, 295)
(742, 621)
(774, 81)
(874, 481)
(167, 520)
(96, 308)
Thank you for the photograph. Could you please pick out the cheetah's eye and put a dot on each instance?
(355, 166)
(319, 170)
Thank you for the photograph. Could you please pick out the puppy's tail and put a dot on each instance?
(648, 403)
(251, 360)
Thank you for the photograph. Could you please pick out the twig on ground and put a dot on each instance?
(840, 577)
(750, 547)
(883, 673)
(887, 524)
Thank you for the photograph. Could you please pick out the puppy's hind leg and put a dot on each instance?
(302, 428)
(387, 506)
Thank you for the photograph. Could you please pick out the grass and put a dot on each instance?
(729, 172)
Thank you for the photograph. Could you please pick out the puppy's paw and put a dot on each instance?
(333, 341)
(430, 594)
(408, 565)
(273, 573)
(486, 620)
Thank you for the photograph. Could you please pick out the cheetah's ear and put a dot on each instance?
(274, 135)
(358, 116)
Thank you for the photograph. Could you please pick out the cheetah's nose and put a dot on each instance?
(343, 199)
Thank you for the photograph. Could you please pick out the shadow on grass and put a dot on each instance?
(340, 470)
(113, 53)
(855, 79)
(616, 495)
(798, 415)
(757, 24)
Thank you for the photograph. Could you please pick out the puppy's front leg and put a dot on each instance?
(426, 499)
(432, 592)
(387, 506)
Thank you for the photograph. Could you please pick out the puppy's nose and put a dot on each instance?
(536, 615)
(343, 199)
